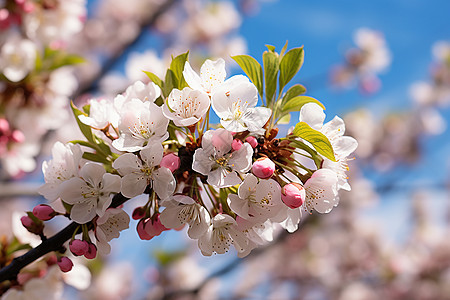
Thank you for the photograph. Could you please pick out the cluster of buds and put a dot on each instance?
(232, 185)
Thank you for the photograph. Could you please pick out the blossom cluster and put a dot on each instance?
(233, 183)
(36, 79)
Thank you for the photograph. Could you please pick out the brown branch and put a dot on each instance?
(54, 243)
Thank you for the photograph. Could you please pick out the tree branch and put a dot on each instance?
(52, 244)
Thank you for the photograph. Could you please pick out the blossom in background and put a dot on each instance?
(138, 173)
(17, 58)
(91, 193)
(109, 226)
(216, 161)
(186, 107)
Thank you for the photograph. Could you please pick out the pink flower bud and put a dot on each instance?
(252, 141)
(143, 235)
(78, 247)
(32, 226)
(236, 144)
(171, 162)
(4, 125)
(293, 195)
(26, 221)
(138, 213)
(92, 252)
(263, 168)
(65, 264)
(154, 227)
(17, 136)
(43, 212)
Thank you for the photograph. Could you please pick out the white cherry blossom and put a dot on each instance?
(234, 102)
(343, 146)
(101, 114)
(138, 173)
(321, 191)
(138, 90)
(216, 161)
(186, 107)
(220, 235)
(90, 194)
(256, 200)
(64, 165)
(257, 234)
(17, 58)
(141, 123)
(212, 75)
(180, 210)
(109, 227)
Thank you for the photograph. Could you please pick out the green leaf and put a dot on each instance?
(38, 62)
(155, 79)
(270, 48)
(290, 65)
(177, 67)
(317, 139)
(283, 50)
(165, 258)
(296, 103)
(95, 157)
(285, 119)
(170, 82)
(294, 91)
(85, 129)
(252, 68)
(16, 245)
(271, 64)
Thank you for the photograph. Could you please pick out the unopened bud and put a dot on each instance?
(65, 264)
(138, 213)
(252, 141)
(154, 227)
(171, 162)
(91, 253)
(293, 195)
(31, 225)
(236, 144)
(43, 212)
(78, 247)
(143, 235)
(263, 168)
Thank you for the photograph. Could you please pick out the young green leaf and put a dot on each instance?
(270, 48)
(85, 129)
(283, 50)
(170, 82)
(294, 91)
(252, 68)
(289, 66)
(271, 65)
(285, 119)
(95, 157)
(296, 103)
(177, 67)
(317, 139)
(155, 79)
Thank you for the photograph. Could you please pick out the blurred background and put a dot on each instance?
(383, 66)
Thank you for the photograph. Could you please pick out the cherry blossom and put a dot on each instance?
(182, 210)
(91, 193)
(257, 200)
(138, 173)
(321, 191)
(101, 114)
(186, 107)
(212, 75)
(141, 123)
(109, 226)
(220, 235)
(17, 58)
(216, 161)
(234, 102)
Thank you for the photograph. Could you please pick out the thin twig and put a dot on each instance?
(54, 243)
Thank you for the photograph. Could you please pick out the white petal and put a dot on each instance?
(200, 225)
(152, 154)
(239, 206)
(133, 185)
(241, 160)
(127, 163)
(111, 183)
(93, 173)
(71, 190)
(313, 115)
(205, 242)
(164, 183)
(256, 118)
(221, 141)
(201, 162)
(83, 212)
(192, 78)
(212, 74)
